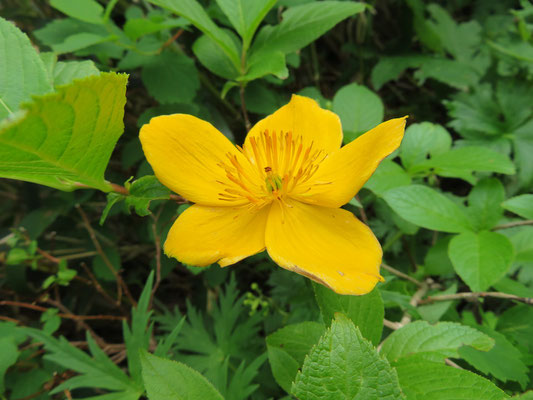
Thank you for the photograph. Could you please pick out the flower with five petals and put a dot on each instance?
(281, 191)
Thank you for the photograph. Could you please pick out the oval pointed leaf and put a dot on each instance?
(428, 208)
(65, 139)
(443, 339)
(481, 259)
(171, 380)
(427, 380)
(521, 205)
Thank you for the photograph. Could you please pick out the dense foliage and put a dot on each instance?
(92, 308)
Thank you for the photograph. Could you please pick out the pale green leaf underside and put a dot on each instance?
(22, 72)
(65, 139)
(444, 339)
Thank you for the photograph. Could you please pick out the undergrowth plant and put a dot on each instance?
(91, 306)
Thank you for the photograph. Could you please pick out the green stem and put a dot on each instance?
(109, 9)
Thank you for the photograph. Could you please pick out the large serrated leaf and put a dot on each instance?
(366, 312)
(443, 339)
(344, 365)
(426, 380)
(170, 380)
(22, 72)
(65, 139)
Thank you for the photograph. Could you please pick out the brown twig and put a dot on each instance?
(513, 224)
(121, 285)
(362, 210)
(99, 287)
(171, 40)
(421, 292)
(401, 274)
(62, 315)
(475, 295)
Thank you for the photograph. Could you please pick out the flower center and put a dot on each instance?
(281, 165)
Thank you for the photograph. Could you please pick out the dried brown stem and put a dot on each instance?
(474, 296)
(401, 274)
(513, 224)
(121, 285)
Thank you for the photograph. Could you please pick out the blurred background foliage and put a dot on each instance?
(452, 207)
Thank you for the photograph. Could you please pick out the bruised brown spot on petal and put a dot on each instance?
(268, 169)
(309, 275)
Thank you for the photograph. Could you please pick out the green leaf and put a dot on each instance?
(303, 24)
(143, 191)
(8, 357)
(196, 15)
(421, 140)
(523, 244)
(84, 10)
(515, 323)
(171, 380)
(359, 109)
(460, 162)
(387, 176)
(138, 336)
(213, 58)
(287, 348)
(23, 72)
(344, 365)
(521, 205)
(503, 361)
(246, 15)
(66, 72)
(481, 259)
(65, 139)
(441, 340)
(137, 27)
(171, 78)
(390, 68)
(366, 312)
(484, 203)
(437, 261)
(459, 75)
(426, 207)
(80, 41)
(97, 371)
(427, 380)
(264, 63)
(433, 312)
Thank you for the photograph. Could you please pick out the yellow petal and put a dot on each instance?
(185, 154)
(342, 174)
(303, 117)
(203, 235)
(329, 246)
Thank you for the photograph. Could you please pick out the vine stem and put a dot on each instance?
(473, 296)
(513, 224)
(402, 275)
(121, 285)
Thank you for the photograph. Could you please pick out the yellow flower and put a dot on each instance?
(281, 191)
